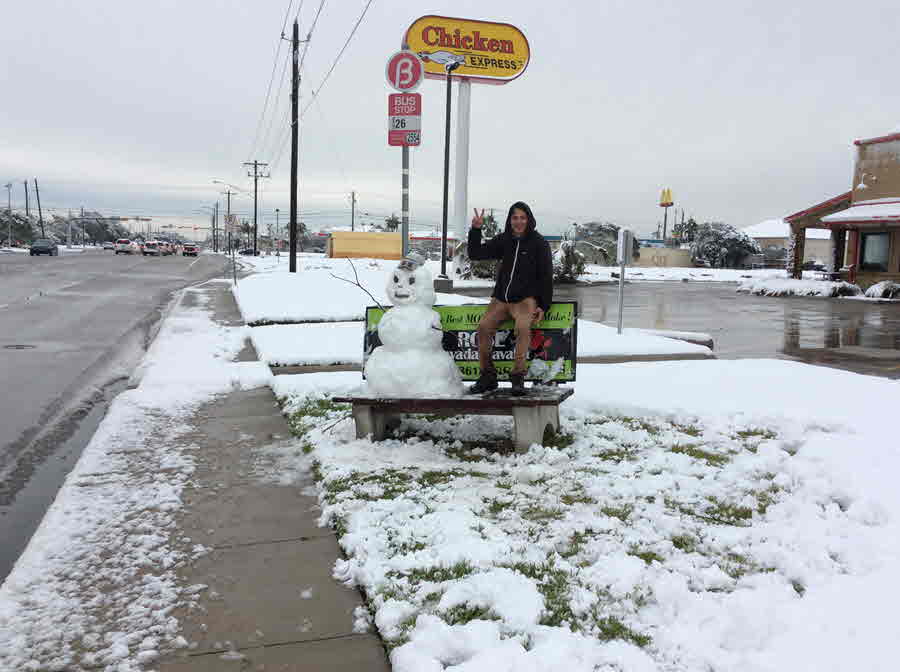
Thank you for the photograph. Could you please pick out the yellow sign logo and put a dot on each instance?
(665, 198)
(488, 52)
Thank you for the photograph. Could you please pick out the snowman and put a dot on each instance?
(411, 361)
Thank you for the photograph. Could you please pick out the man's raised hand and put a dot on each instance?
(478, 220)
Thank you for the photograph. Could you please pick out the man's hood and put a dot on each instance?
(532, 224)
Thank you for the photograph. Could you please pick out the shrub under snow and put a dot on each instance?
(791, 287)
(886, 289)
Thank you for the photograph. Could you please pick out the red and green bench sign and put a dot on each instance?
(553, 348)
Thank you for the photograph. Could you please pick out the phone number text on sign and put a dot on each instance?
(404, 119)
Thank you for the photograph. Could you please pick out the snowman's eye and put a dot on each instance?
(396, 279)
(412, 280)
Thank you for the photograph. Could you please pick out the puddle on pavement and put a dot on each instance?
(833, 332)
(20, 518)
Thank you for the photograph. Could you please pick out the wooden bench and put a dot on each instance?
(532, 414)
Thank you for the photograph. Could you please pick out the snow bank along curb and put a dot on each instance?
(96, 586)
(691, 516)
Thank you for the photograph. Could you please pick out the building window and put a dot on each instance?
(875, 252)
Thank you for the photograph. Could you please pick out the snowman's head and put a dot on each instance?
(408, 285)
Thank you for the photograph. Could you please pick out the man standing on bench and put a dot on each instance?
(523, 292)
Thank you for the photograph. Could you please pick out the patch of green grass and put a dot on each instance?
(311, 411)
(576, 543)
(430, 478)
(612, 628)
(693, 450)
(639, 423)
(504, 485)
(498, 506)
(411, 547)
(755, 432)
(684, 543)
(559, 440)
(690, 430)
(464, 613)
(435, 574)
(798, 587)
(621, 512)
(649, 557)
(616, 454)
(579, 497)
(726, 512)
(538, 513)
(553, 583)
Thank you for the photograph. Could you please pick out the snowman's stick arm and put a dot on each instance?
(361, 287)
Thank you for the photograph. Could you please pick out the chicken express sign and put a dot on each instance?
(487, 52)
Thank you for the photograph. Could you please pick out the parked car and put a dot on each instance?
(248, 252)
(109, 245)
(151, 247)
(189, 250)
(125, 246)
(44, 246)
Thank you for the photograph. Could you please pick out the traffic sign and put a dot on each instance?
(404, 119)
(404, 71)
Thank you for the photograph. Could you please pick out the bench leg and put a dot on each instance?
(530, 422)
(369, 422)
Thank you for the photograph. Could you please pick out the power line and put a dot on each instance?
(338, 58)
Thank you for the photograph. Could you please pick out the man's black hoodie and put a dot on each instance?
(526, 265)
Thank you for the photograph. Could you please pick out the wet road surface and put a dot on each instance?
(854, 335)
(72, 328)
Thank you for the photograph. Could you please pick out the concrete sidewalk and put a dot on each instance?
(269, 601)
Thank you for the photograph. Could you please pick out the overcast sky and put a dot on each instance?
(747, 110)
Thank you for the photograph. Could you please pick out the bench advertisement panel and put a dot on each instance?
(552, 351)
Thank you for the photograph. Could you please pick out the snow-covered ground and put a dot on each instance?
(96, 585)
(315, 295)
(342, 343)
(721, 515)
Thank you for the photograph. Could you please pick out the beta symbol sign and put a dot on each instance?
(404, 119)
(404, 71)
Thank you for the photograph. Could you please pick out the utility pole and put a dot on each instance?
(277, 228)
(27, 209)
(295, 130)
(353, 211)
(216, 229)
(40, 214)
(255, 175)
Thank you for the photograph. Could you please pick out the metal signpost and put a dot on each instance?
(624, 247)
(404, 73)
(484, 52)
(231, 227)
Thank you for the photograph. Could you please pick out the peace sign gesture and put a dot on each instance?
(478, 220)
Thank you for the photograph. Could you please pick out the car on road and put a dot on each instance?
(109, 245)
(44, 246)
(125, 246)
(151, 247)
(189, 250)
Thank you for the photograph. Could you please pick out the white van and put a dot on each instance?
(125, 246)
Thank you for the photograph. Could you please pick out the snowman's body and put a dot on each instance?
(411, 361)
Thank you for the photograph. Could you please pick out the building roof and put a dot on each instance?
(778, 228)
(819, 207)
(888, 212)
(881, 138)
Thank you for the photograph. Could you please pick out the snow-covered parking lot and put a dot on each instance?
(719, 515)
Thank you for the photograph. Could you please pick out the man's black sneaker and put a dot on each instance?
(486, 383)
(518, 384)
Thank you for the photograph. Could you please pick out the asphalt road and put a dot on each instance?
(72, 328)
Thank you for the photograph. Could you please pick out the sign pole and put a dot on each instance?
(404, 226)
(621, 294)
(450, 68)
(624, 247)
(461, 179)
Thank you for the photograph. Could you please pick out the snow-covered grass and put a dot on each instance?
(792, 287)
(97, 584)
(690, 516)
